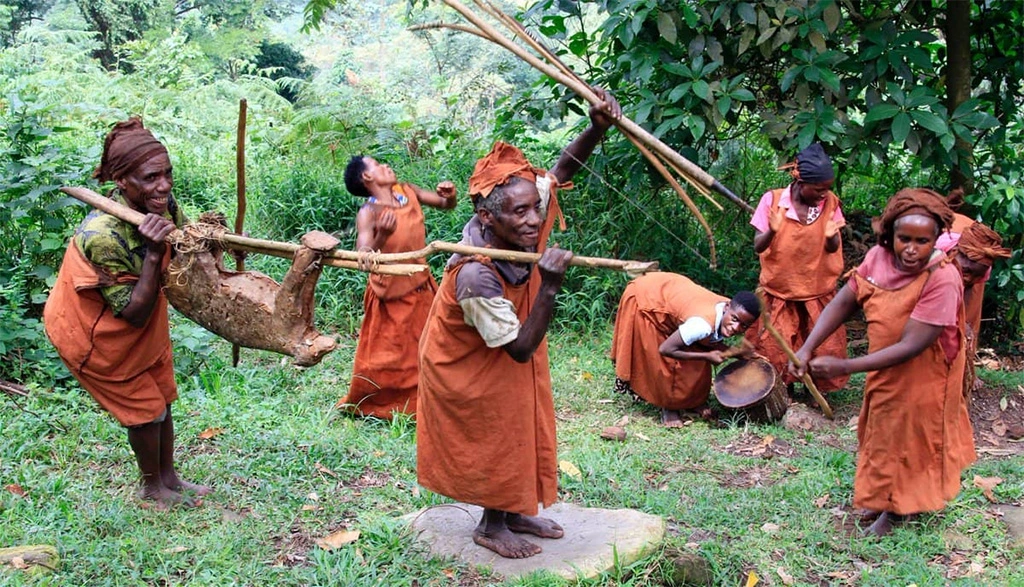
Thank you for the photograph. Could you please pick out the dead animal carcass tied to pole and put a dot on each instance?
(247, 307)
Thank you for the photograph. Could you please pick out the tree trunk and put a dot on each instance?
(958, 83)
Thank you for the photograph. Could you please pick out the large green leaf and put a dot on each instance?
(881, 112)
(900, 128)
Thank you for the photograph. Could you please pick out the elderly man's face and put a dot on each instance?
(518, 224)
(148, 187)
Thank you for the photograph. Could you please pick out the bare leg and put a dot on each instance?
(493, 533)
(167, 471)
(542, 527)
(145, 443)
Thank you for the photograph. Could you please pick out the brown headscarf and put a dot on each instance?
(503, 162)
(921, 201)
(127, 145)
(981, 244)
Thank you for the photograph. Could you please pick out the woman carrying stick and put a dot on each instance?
(914, 431)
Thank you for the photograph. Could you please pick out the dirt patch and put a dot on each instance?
(752, 445)
(368, 479)
(292, 547)
(997, 416)
(745, 478)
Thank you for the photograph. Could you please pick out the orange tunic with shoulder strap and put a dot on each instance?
(651, 309)
(395, 307)
(486, 425)
(799, 280)
(914, 431)
(485, 431)
(128, 370)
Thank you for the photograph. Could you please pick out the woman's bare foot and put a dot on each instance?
(540, 527)
(883, 525)
(671, 419)
(505, 543)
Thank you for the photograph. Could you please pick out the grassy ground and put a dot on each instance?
(288, 469)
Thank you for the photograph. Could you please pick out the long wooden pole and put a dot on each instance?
(236, 350)
(806, 378)
(232, 241)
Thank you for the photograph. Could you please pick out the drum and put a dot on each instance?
(752, 387)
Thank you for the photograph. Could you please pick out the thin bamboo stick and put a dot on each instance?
(232, 241)
(691, 170)
(811, 387)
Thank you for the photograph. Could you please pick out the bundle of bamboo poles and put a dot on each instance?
(664, 159)
(384, 263)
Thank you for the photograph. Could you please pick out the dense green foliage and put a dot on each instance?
(431, 103)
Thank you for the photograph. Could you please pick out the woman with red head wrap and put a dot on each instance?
(107, 314)
(914, 431)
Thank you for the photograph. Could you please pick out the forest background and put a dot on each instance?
(904, 93)
(901, 94)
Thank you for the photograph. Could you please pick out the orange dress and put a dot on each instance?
(128, 370)
(485, 431)
(395, 307)
(914, 431)
(651, 309)
(799, 280)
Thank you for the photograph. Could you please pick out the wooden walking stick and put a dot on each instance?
(240, 194)
(806, 378)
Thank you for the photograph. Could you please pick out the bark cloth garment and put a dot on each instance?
(395, 307)
(914, 431)
(799, 279)
(651, 309)
(128, 370)
(485, 431)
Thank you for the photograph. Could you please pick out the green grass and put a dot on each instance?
(288, 469)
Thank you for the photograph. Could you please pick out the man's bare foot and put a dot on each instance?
(161, 497)
(182, 486)
(541, 527)
(671, 419)
(505, 543)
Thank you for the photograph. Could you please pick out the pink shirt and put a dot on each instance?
(764, 210)
(948, 240)
(940, 298)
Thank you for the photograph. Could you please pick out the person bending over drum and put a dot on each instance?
(668, 333)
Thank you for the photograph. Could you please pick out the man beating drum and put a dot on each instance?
(668, 333)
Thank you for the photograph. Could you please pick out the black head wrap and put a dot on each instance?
(814, 165)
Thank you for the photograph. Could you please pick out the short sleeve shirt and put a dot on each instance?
(764, 210)
(696, 329)
(116, 247)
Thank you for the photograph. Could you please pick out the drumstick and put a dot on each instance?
(806, 377)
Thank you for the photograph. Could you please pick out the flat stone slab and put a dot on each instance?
(1013, 517)
(594, 539)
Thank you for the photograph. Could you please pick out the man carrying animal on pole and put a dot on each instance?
(107, 314)
(486, 423)
(385, 374)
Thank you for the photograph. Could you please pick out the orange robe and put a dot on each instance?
(128, 370)
(651, 309)
(395, 308)
(485, 431)
(799, 279)
(914, 431)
